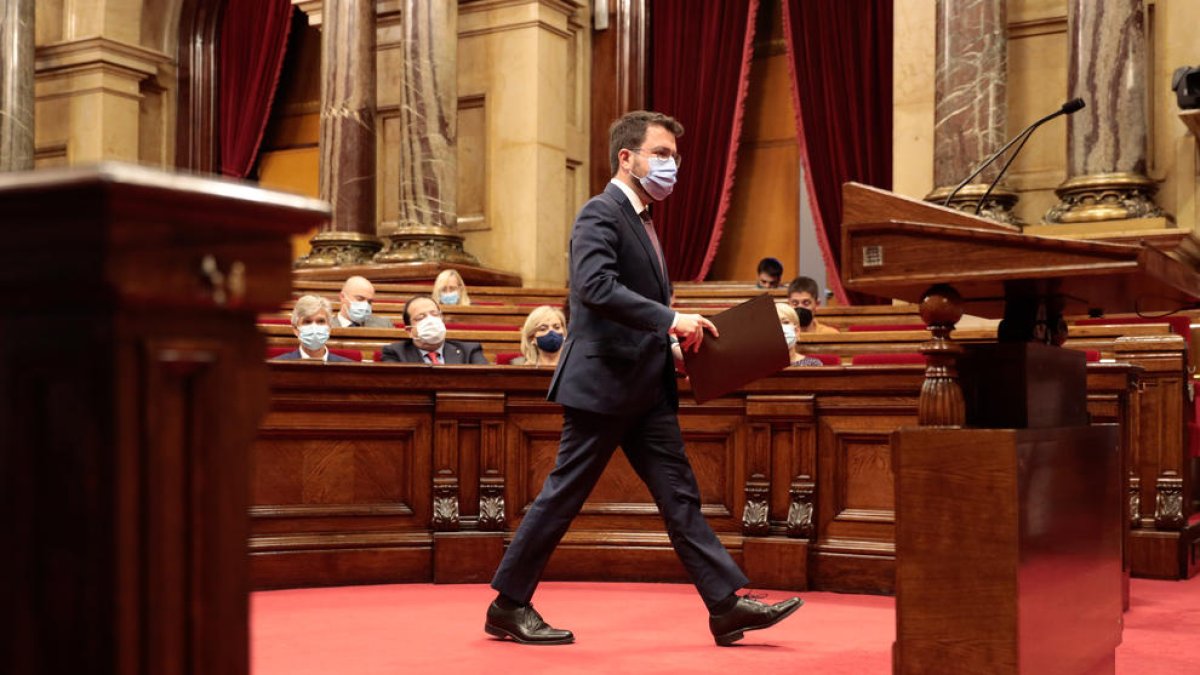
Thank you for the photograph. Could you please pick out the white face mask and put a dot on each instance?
(359, 311)
(431, 330)
(789, 332)
(314, 335)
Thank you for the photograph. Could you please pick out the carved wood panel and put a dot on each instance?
(855, 483)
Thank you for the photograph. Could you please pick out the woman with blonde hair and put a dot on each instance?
(542, 337)
(449, 289)
(789, 321)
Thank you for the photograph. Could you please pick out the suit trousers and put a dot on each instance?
(654, 446)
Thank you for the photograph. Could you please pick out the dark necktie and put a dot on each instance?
(648, 222)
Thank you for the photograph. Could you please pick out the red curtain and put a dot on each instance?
(253, 40)
(700, 55)
(842, 89)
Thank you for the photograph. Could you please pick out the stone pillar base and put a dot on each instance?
(1106, 196)
(999, 205)
(336, 249)
(425, 243)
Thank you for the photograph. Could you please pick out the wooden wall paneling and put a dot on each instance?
(619, 78)
(342, 487)
(1159, 458)
(855, 547)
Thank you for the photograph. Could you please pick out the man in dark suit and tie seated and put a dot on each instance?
(616, 382)
(423, 318)
(355, 304)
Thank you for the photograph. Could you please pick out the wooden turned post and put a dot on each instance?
(941, 402)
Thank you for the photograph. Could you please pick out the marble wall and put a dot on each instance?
(1037, 84)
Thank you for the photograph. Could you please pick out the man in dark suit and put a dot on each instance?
(616, 383)
(423, 318)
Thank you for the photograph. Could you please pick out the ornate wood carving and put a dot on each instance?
(941, 403)
(1135, 501)
(755, 521)
(491, 505)
(1168, 503)
(445, 504)
(800, 511)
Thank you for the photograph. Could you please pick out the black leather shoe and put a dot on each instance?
(524, 625)
(749, 614)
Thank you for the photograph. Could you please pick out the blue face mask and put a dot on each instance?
(659, 181)
(789, 332)
(449, 298)
(550, 342)
(314, 335)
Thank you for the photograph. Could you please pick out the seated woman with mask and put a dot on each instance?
(790, 323)
(310, 323)
(542, 337)
(449, 289)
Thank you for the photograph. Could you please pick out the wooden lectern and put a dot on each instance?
(131, 385)
(1008, 504)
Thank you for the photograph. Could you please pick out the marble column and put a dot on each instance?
(16, 85)
(970, 110)
(347, 178)
(1106, 141)
(426, 226)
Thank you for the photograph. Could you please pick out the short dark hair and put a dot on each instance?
(414, 299)
(770, 266)
(805, 285)
(629, 132)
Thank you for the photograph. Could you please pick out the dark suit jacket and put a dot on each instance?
(295, 355)
(617, 357)
(373, 321)
(455, 352)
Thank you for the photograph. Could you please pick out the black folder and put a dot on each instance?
(751, 347)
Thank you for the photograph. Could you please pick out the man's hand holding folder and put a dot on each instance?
(689, 328)
(747, 345)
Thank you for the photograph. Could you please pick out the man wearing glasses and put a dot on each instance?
(616, 382)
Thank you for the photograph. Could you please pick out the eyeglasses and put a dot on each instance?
(662, 155)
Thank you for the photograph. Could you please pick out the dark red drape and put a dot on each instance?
(700, 55)
(841, 57)
(253, 40)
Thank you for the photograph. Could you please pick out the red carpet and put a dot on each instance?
(636, 628)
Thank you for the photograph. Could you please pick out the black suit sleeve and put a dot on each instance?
(391, 353)
(594, 271)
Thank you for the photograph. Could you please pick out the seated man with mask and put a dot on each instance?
(805, 296)
(310, 323)
(355, 306)
(423, 318)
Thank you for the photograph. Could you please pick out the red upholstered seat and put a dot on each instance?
(274, 321)
(272, 352)
(352, 354)
(874, 327)
(888, 359)
(377, 356)
(506, 358)
(827, 359)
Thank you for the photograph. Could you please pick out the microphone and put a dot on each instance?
(1067, 108)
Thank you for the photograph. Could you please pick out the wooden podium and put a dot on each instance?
(131, 385)
(1008, 504)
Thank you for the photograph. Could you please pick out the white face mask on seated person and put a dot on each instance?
(789, 332)
(431, 330)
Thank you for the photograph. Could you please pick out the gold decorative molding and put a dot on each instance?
(93, 52)
(424, 243)
(336, 249)
(312, 8)
(999, 205)
(1106, 196)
